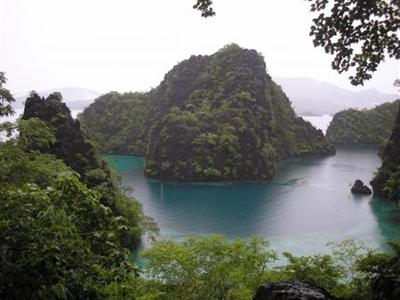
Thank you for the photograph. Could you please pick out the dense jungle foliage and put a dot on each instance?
(66, 230)
(117, 123)
(214, 268)
(215, 117)
(68, 233)
(369, 126)
(386, 182)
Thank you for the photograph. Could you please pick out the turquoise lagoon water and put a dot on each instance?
(307, 205)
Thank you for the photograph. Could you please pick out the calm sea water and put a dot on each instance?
(307, 205)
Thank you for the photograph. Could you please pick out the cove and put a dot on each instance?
(305, 206)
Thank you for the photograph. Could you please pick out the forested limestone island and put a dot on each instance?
(380, 125)
(387, 180)
(67, 232)
(217, 117)
(363, 127)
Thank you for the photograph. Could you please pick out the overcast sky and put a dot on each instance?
(128, 45)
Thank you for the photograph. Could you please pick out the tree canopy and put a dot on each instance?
(359, 34)
(6, 99)
(64, 234)
(213, 117)
(368, 126)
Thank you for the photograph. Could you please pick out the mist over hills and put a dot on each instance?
(308, 96)
(76, 98)
(312, 97)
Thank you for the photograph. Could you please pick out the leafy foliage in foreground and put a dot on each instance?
(58, 241)
(72, 148)
(358, 33)
(56, 237)
(208, 268)
(6, 99)
(215, 268)
(64, 233)
(372, 126)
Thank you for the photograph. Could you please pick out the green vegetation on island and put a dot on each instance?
(64, 223)
(368, 126)
(218, 117)
(66, 229)
(117, 123)
(386, 182)
(66, 232)
(59, 241)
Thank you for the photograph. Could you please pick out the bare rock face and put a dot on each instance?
(291, 290)
(360, 188)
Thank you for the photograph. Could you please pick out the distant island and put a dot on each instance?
(368, 126)
(75, 97)
(218, 117)
(308, 97)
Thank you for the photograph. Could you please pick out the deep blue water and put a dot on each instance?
(307, 205)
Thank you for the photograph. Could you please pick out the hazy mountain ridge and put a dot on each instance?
(77, 98)
(313, 97)
(308, 96)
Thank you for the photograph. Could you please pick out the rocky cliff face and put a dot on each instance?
(387, 180)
